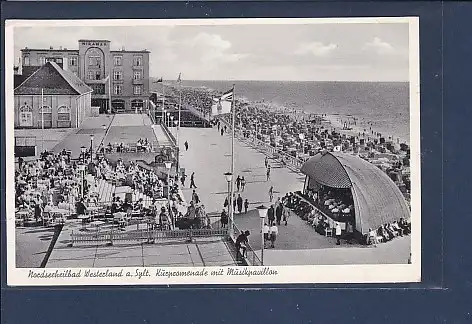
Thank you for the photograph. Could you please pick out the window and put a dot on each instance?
(94, 61)
(73, 61)
(59, 60)
(138, 60)
(26, 116)
(45, 110)
(117, 60)
(26, 60)
(117, 89)
(98, 75)
(98, 88)
(137, 75)
(91, 75)
(63, 113)
(42, 60)
(138, 90)
(117, 75)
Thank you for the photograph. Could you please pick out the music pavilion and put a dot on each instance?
(349, 188)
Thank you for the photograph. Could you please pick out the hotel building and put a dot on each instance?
(118, 78)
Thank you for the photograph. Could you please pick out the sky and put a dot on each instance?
(302, 52)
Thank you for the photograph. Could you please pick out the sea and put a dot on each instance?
(384, 106)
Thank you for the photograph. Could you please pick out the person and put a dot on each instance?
(186, 145)
(246, 205)
(243, 183)
(265, 231)
(239, 202)
(268, 173)
(337, 229)
(238, 182)
(192, 180)
(195, 197)
(286, 215)
(182, 179)
(266, 162)
(221, 132)
(80, 207)
(278, 213)
(270, 215)
(241, 239)
(226, 203)
(271, 193)
(234, 203)
(349, 231)
(273, 234)
(224, 219)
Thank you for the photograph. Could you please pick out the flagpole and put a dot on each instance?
(109, 94)
(178, 126)
(42, 120)
(231, 207)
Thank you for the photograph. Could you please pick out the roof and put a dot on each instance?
(53, 81)
(377, 200)
(49, 50)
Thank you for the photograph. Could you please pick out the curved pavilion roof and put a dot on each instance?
(377, 200)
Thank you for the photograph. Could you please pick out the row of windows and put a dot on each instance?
(118, 89)
(46, 109)
(137, 60)
(92, 60)
(118, 75)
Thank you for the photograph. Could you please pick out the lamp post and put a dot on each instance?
(302, 138)
(82, 175)
(262, 215)
(229, 180)
(168, 115)
(83, 149)
(91, 148)
(171, 124)
(168, 166)
(178, 147)
(163, 118)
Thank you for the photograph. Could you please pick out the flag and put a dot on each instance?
(227, 96)
(160, 80)
(179, 79)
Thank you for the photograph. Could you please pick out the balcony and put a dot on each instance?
(138, 81)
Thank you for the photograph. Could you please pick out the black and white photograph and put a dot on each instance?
(217, 151)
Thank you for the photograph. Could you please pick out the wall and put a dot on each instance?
(34, 57)
(81, 104)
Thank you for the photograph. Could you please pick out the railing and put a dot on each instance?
(169, 134)
(251, 257)
(144, 235)
(196, 112)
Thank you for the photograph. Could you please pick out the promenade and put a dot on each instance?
(209, 156)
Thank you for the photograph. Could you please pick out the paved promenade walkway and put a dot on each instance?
(209, 156)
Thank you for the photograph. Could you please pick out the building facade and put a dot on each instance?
(119, 79)
(51, 98)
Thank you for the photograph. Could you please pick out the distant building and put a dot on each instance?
(66, 99)
(93, 62)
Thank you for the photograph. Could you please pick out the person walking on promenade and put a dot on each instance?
(218, 126)
(234, 203)
(195, 197)
(278, 213)
(286, 215)
(238, 182)
(224, 219)
(192, 180)
(268, 172)
(242, 240)
(265, 231)
(226, 129)
(273, 235)
(182, 179)
(243, 183)
(270, 215)
(337, 230)
(226, 203)
(221, 131)
(271, 193)
(186, 145)
(266, 162)
(239, 202)
(246, 205)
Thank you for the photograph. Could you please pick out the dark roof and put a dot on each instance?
(18, 79)
(377, 200)
(53, 81)
(28, 70)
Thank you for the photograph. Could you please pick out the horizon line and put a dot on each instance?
(253, 80)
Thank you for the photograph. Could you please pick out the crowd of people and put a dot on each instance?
(142, 145)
